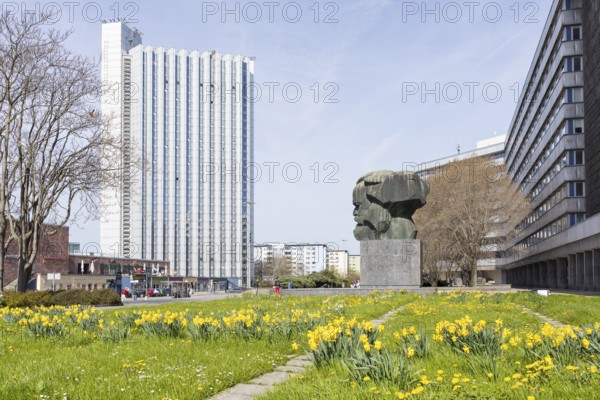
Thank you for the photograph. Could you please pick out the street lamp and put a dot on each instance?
(249, 251)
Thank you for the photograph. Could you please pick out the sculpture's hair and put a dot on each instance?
(373, 178)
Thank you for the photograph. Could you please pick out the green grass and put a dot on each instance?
(150, 368)
(568, 309)
(79, 366)
(334, 382)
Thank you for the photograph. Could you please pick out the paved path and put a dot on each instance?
(157, 301)
(264, 383)
(553, 322)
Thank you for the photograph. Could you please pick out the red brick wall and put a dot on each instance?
(53, 256)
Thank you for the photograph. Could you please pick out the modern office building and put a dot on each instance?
(185, 122)
(553, 154)
(305, 258)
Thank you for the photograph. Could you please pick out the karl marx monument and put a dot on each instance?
(384, 202)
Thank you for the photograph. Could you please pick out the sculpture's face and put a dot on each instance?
(371, 218)
(361, 203)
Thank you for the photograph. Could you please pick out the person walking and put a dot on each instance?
(277, 287)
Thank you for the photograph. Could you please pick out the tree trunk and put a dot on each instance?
(23, 277)
(474, 273)
(2, 263)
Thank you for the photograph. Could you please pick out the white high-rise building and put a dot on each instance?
(185, 120)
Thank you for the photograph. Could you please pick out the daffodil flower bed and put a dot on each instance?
(181, 351)
(453, 346)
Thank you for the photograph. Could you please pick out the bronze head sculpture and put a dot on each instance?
(384, 202)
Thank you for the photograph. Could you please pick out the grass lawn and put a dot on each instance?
(444, 346)
(546, 370)
(181, 351)
(568, 309)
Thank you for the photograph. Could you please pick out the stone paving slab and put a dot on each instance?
(272, 378)
(299, 363)
(553, 322)
(290, 368)
(242, 391)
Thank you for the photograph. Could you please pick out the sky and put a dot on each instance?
(346, 88)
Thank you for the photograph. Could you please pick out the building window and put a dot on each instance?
(575, 126)
(573, 64)
(572, 32)
(572, 4)
(576, 218)
(575, 157)
(576, 189)
(574, 95)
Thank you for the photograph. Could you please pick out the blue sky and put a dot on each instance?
(368, 61)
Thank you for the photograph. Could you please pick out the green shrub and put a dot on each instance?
(297, 282)
(72, 297)
(103, 297)
(27, 299)
(325, 278)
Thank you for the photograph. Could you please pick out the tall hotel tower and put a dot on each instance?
(185, 122)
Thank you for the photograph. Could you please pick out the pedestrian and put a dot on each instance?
(256, 285)
(277, 287)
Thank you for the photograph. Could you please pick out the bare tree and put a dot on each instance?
(53, 140)
(277, 267)
(472, 202)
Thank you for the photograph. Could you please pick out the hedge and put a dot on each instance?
(101, 297)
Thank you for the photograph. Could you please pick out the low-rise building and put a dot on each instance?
(61, 265)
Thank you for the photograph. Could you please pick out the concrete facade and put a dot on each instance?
(591, 72)
(569, 260)
(389, 264)
(553, 154)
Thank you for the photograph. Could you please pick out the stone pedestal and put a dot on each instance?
(390, 264)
